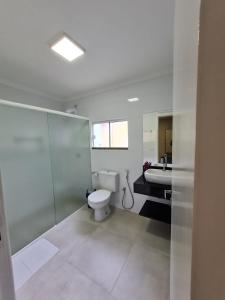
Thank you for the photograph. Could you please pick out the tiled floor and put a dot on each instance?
(30, 259)
(126, 257)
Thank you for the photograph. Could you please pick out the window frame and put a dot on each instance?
(109, 122)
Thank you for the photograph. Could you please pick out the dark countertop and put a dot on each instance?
(141, 186)
(158, 208)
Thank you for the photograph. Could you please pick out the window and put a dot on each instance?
(110, 135)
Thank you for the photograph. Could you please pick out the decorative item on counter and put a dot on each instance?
(146, 166)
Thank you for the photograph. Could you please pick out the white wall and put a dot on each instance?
(155, 95)
(27, 97)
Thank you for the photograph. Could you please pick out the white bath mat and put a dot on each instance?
(30, 259)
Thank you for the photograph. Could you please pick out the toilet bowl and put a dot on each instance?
(99, 201)
(107, 183)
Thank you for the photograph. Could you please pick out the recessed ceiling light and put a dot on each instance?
(67, 48)
(133, 99)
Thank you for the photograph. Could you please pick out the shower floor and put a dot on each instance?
(30, 259)
(125, 257)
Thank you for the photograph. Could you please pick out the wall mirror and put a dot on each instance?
(158, 137)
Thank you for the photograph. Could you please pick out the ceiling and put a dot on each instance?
(124, 40)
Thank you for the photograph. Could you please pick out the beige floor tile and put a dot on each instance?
(145, 276)
(73, 232)
(101, 257)
(86, 214)
(126, 224)
(157, 236)
(125, 255)
(80, 287)
(36, 286)
(61, 281)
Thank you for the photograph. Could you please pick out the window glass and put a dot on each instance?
(119, 134)
(101, 135)
(110, 134)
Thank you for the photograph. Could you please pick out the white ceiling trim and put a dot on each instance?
(117, 86)
(28, 90)
(86, 94)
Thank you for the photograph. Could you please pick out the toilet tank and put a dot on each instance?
(108, 180)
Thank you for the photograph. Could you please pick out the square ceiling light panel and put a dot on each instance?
(67, 48)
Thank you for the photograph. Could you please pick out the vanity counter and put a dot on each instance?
(141, 186)
(157, 207)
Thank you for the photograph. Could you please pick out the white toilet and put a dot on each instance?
(107, 182)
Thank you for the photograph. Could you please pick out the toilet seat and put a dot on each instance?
(99, 198)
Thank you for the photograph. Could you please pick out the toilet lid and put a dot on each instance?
(99, 196)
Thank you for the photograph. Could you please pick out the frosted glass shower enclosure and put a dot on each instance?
(45, 166)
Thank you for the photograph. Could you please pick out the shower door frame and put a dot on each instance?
(36, 108)
(7, 290)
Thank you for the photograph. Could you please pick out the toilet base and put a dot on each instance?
(102, 213)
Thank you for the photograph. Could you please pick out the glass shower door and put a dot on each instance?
(70, 160)
(26, 174)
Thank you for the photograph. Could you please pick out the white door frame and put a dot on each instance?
(7, 290)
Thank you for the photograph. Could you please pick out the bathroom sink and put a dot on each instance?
(159, 176)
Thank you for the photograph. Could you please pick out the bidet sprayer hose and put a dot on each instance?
(124, 190)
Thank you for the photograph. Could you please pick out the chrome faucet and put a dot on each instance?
(165, 162)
